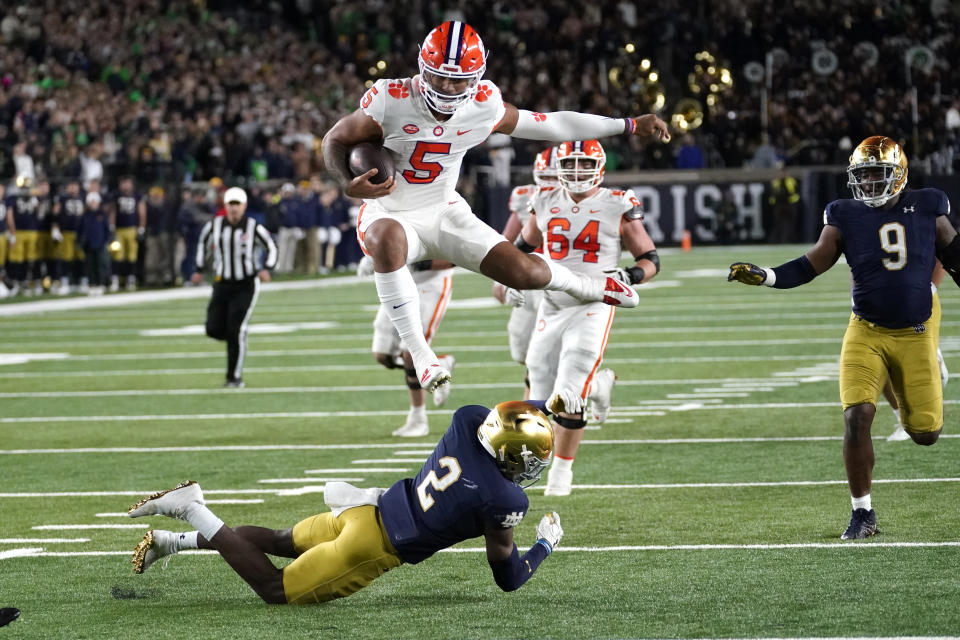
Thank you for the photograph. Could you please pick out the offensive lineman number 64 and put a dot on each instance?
(438, 484)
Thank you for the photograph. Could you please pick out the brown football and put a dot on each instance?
(366, 156)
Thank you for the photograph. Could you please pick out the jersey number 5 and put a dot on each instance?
(893, 239)
(432, 169)
(438, 484)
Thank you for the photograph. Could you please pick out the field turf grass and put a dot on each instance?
(710, 505)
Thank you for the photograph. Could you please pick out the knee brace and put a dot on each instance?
(386, 360)
(571, 423)
(413, 382)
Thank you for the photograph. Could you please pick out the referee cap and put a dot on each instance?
(235, 194)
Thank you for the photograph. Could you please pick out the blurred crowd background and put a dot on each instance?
(188, 95)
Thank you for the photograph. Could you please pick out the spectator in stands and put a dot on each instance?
(94, 237)
(690, 156)
(160, 239)
(290, 232)
(193, 214)
(308, 247)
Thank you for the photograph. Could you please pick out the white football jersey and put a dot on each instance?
(428, 153)
(582, 236)
(521, 201)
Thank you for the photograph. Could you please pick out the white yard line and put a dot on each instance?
(42, 540)
(73, 527)
(361, 470)
(372, 445)
(149, 297)
(690, 406)
(856, 547)
(599, 487)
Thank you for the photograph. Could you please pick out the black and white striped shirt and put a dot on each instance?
(233, 248)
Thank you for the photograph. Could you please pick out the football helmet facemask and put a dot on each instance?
(520, 438)
(877, 171)
(452, 60)
(580, 165)
(545, 168)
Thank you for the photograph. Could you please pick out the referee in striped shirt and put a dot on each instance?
(230, 241)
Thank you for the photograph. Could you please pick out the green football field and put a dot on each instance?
(709, 505)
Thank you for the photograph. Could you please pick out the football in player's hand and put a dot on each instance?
(366, 156)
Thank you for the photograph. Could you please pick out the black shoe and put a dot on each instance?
(234, 384)
(863, 524)
(8, 615)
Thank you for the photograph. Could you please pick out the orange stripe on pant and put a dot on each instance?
(603, 348)
(440, 309)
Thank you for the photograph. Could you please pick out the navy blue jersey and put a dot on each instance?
(458, 493)
(24, 209)
(44, 213)
(127, 214)
(891, 254)
(71, 211)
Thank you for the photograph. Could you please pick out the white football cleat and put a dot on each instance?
(559, 482)
(413, 429)
(944, 374)
(114, 284)
(442, 391)
(620, 294)
(600, 393)
(899, 434)
(171, 502)
(432, 376)
(156, 544)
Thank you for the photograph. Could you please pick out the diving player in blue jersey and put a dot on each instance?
(891, 239)
(470, 486)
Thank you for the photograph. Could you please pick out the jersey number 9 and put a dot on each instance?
(893, 239)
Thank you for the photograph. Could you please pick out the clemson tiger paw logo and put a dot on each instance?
(483, 93)
(539, 117)
(397, 90)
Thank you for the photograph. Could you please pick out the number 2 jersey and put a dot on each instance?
(583, 236)
(458, 493)
(891, 254)
(428, 153)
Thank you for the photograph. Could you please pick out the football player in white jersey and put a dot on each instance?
(434, 280)
(582, 226)
(523, 317)
(428, 123)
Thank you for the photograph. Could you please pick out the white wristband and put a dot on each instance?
(771, 278)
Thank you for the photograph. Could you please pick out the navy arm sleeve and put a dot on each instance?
(794, 273)
(512, 573)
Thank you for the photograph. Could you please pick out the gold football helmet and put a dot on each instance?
(877, 171)
(520, 438)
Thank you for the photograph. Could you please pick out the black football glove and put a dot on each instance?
(747, 273)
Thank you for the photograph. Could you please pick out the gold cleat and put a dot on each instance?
(140, 553)
(168, 503)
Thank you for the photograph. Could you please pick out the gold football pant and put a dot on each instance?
(338, 555)
(26, 247)
(127, 251)
(871, 353)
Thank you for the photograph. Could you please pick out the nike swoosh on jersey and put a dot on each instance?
(460, 133)
(594, 210)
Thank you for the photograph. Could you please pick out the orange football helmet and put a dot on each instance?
(452, 61)
(877, 171)
(580, 165)
(545, 167)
